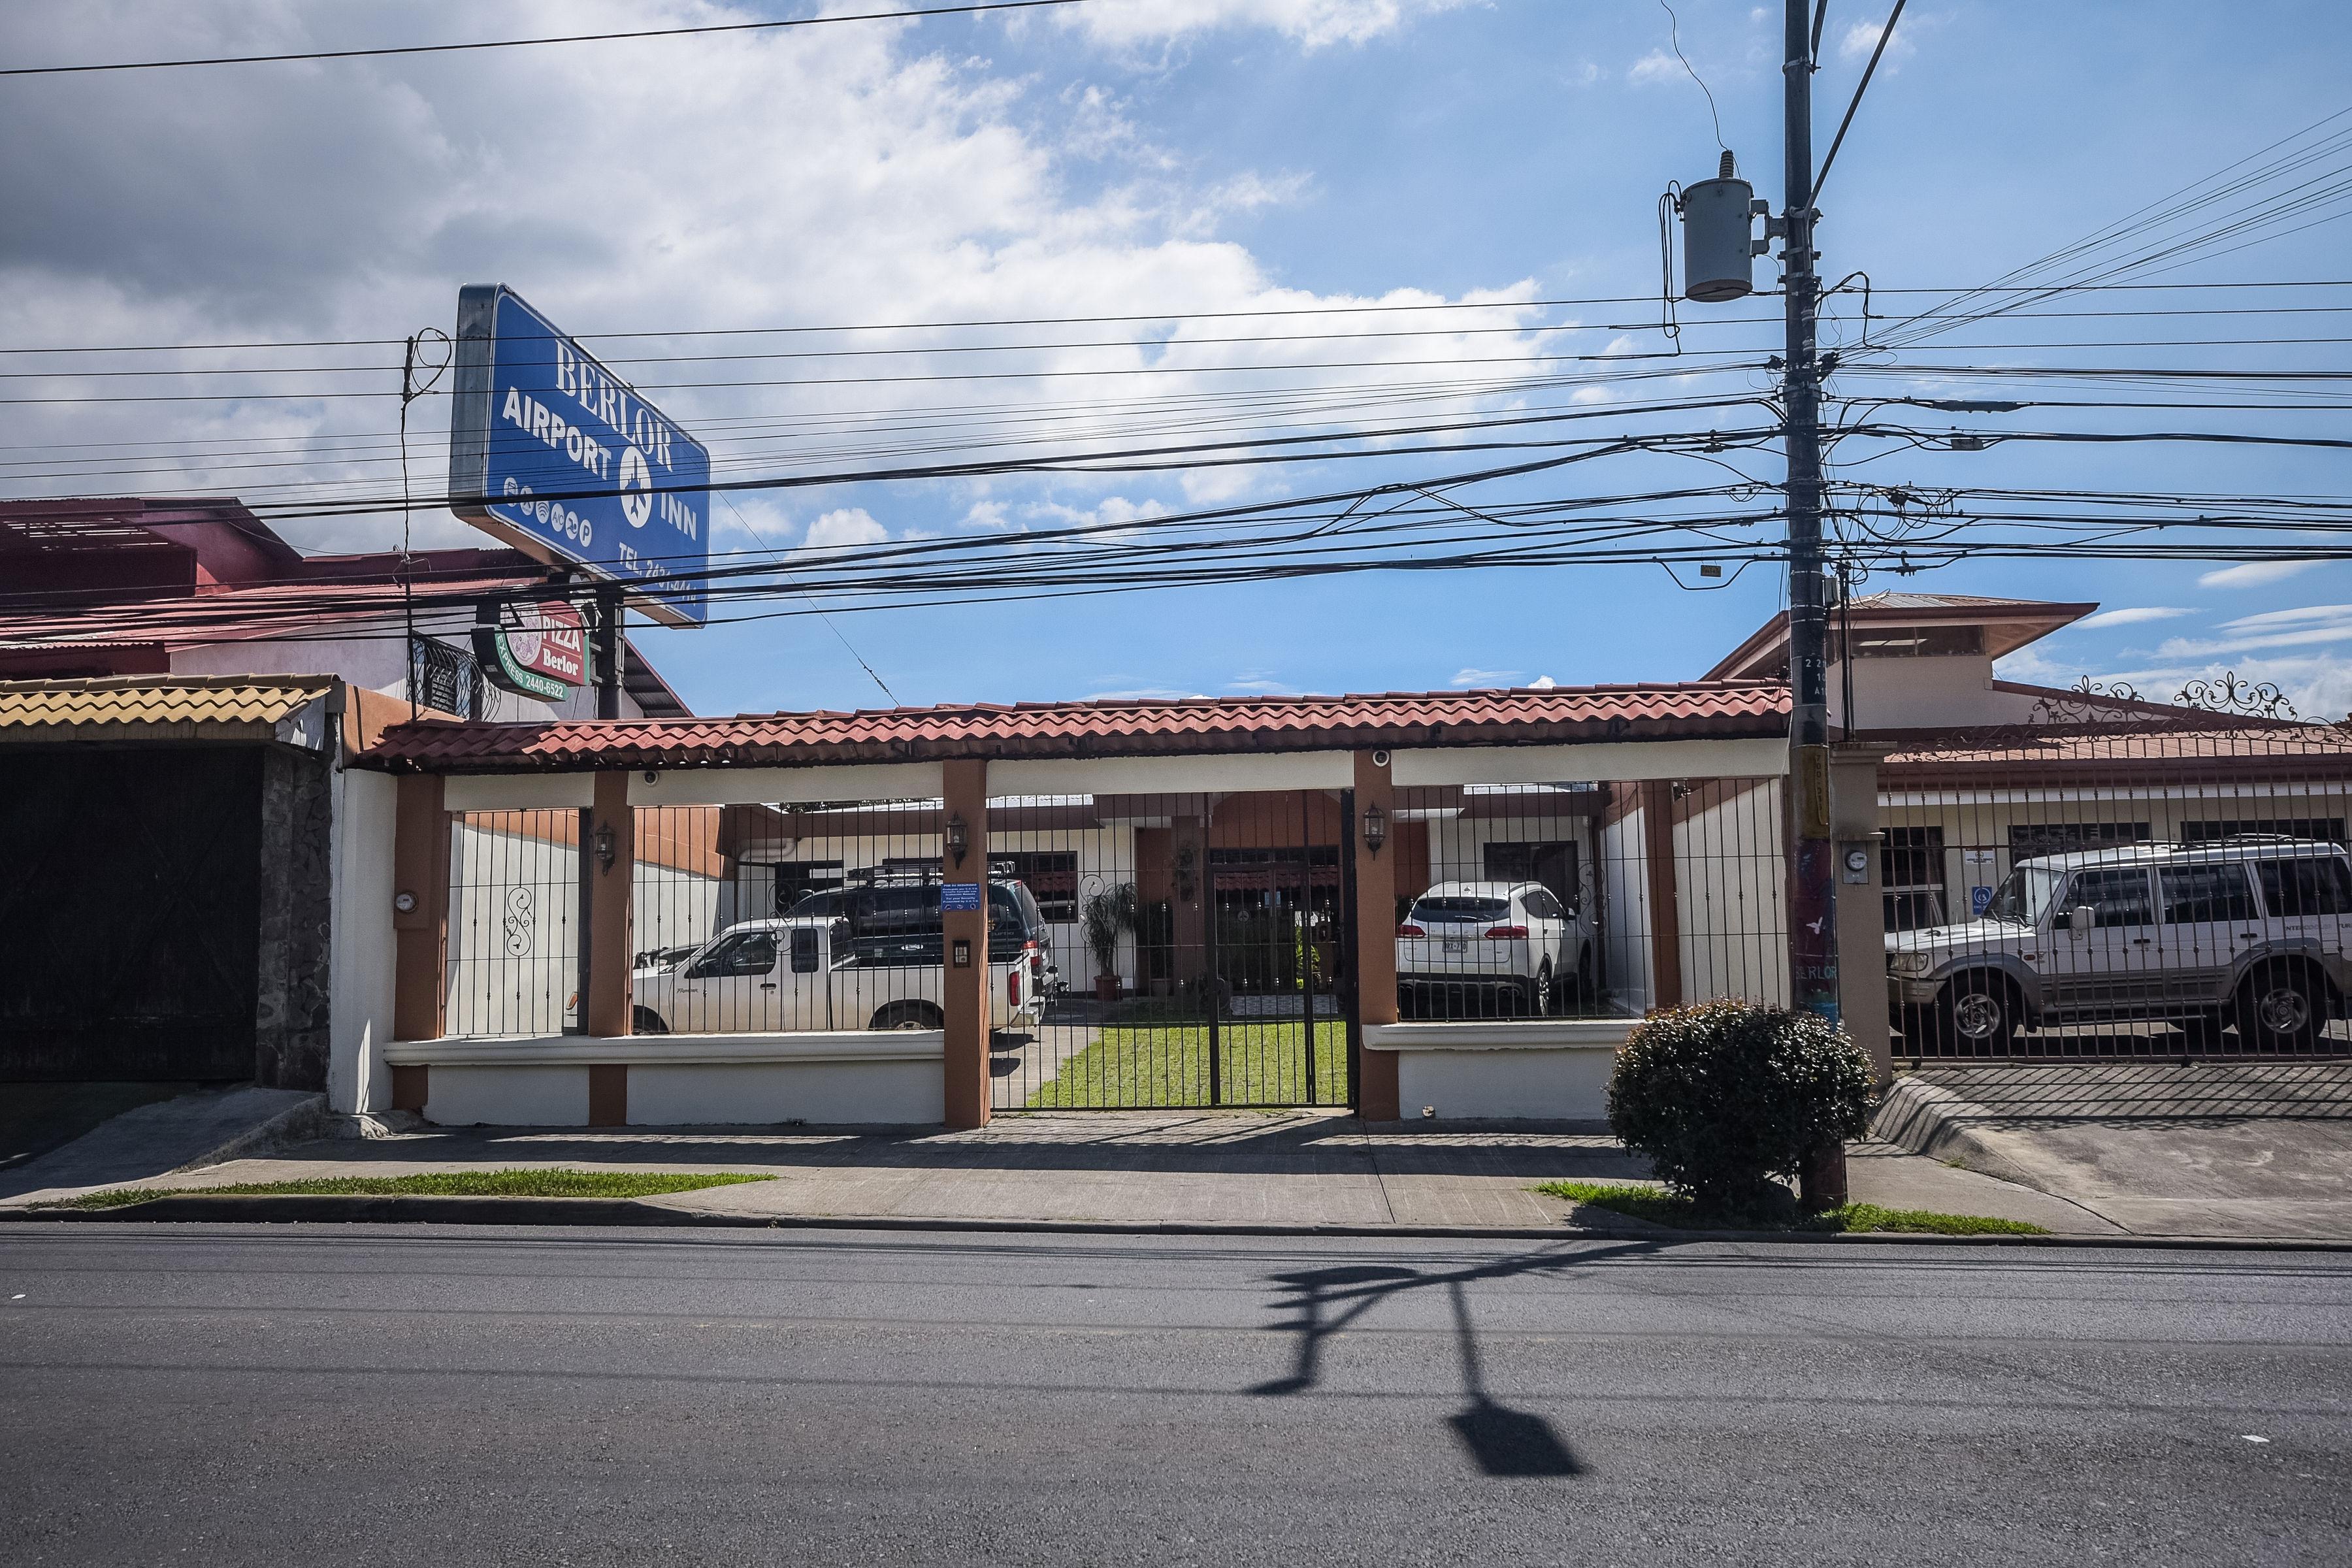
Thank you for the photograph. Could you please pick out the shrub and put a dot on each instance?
(1726, 1096)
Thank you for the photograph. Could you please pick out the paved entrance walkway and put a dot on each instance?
(2154, 1148)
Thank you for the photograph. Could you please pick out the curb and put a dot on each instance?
(631, 1213)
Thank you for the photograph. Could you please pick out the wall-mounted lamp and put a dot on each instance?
(605, 845)
(1376, 829)
(958, 838)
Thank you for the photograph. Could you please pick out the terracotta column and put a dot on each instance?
(420, 880)
(611, 1010)
(965, 987)
(1376, 981)
(1666, 895)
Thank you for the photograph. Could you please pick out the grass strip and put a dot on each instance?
(1259, 1063)
(509, 1183)
(1660, 1206)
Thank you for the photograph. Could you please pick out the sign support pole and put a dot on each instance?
(610, 649)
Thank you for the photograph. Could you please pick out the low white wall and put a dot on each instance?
(900, 1093)
(549, 1095)
(1494, 1071)
(871, 1077)
(359, 968)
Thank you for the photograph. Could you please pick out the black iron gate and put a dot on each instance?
(1202, 944)
(130, 894)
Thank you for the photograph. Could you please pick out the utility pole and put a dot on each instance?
(1812, 883)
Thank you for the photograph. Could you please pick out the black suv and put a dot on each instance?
(896, 920)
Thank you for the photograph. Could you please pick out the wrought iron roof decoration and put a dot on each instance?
(2227, 694)
(2086, 702)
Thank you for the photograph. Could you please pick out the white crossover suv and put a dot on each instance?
(2248, 932)
(1494, 945)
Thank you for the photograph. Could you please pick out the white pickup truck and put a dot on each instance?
(794, 972)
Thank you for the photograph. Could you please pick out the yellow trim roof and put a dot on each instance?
(149, 708)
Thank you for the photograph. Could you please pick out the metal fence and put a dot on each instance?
(514, 901)
(2114, 882)
(1197, 945)
(768, 919)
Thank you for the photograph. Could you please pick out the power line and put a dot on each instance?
(978, 7)
(1351, 310)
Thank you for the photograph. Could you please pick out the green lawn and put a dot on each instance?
(1168, 1064)
(554, 1184)
(1660, 1206)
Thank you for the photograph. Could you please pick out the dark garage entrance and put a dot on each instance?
(168, 912)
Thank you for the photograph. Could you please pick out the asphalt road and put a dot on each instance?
(226, 1395)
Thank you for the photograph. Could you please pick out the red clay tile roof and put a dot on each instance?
(2214, 746)
(1711, 709)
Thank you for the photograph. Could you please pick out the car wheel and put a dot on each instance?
(2280, 1008)
(645, 1021)
(1978, 1016)
(1540, 995)
(907, 1015)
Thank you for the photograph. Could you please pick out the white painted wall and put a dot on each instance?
(362, 946)
(553, 1095)
(1924, 694)
(1730, 880)
(515, 975)
(1514, 1070)
(871, 1094)
(376, 656)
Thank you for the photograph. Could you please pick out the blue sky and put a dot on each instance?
(1133, 157)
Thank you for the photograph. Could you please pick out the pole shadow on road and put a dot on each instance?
(1500, 1440)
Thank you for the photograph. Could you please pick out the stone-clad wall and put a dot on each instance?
(291, 1014)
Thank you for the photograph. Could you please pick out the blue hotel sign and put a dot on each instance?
(555, 454)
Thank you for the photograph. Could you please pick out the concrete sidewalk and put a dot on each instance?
(1302, 1170)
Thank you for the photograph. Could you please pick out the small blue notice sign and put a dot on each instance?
(960, 897)
(1980, 900)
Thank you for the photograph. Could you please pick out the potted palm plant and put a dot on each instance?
(1108, 916)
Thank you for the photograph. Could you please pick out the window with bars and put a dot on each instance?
(1052, 876)
(442, 678)
(2325, 829)
(2031, 839)
(1911, 871)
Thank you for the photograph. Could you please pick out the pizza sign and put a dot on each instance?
(536, 648)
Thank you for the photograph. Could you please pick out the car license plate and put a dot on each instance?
(1457, 944)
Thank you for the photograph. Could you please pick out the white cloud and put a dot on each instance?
(2254, 574)
(1656, 65)
(1316, 24)
(2130, 618)
(2269, 618)
(835, 175)
(1862, 38)
(849, 525)
(2278, 629)
(1542, 683)
(1142, 694)
(1468, 676)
